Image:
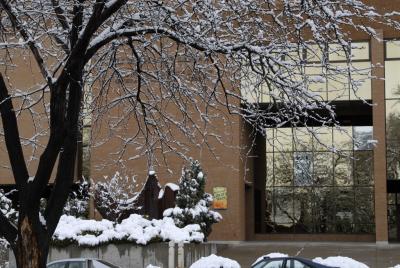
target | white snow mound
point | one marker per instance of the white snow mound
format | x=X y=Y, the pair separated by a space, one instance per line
x=341 y=262
x=134 y=229
x=214 y=261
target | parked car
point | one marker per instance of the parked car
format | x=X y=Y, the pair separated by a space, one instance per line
x=287 y=262
x=80 y=263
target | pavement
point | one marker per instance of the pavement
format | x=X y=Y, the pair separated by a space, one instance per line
x=372 y=254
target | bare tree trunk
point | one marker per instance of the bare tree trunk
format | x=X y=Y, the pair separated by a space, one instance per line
x=32 y=246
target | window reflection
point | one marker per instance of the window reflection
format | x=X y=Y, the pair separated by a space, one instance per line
x=310 y=189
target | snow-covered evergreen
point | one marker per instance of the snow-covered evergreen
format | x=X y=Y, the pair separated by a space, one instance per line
x=192 y=202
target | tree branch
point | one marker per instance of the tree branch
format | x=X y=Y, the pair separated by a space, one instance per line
x=31 y=43
x=11 y=135
x=60 y=15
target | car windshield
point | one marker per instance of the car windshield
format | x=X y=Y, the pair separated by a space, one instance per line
x=102 y=264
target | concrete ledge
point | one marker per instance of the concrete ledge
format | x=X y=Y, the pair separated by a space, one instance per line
x=130 y=256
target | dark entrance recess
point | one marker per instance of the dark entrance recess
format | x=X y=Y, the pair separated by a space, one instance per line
x=393 y=188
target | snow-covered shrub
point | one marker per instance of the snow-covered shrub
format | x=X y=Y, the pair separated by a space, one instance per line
x=6 y=207
x=115 y=198
x=192 y=203
x=78 y=201
x=135 y=229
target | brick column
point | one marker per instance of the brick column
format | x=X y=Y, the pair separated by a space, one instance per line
x=378 y=118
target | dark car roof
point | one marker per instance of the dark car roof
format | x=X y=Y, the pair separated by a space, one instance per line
x=306 y=261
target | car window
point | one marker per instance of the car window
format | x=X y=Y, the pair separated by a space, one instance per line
x=58 y=265
x=76 y=264
x=270 y=264
x=298 y=264
x=100 y=264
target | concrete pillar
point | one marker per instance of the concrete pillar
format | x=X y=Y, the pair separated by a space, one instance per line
x=378 y=118
x=171 y=254
x=181 y=255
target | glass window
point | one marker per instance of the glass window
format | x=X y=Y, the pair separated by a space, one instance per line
x=343 y=170
x=343 y=138
x=316 y=80
x=360 y=51
x=323 y=201
x=363 y=169
x=303 y=168
x=303 y=210
x=361 y=81
x=392 y=79
x=392 y=49
x=283 y=139
x=363 y=138
x=298 y=264
x=270 y=169
x=302 y=139
x=271 y=264
x=364 y=203
x=322 y=139
x=393 y=159
x=344 y=210
x=283 y=169
x=315 y=53
x=392 y=119
x=337 y=52
x=58 y=265
x=338 y=82
x=269 y=132
x=77 y=264
x=323 y=168
x=283 y=206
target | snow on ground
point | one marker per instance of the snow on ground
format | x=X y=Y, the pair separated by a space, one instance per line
x=152 y=266
x=134 y=229
x=397 y=266
x=214 y=261
x=339 y=261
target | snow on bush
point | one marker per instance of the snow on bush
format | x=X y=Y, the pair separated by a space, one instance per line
x=341 y=262
x=115 y=198
x=214 y=261
x=78 y=201
x=134 y=229
x=6 y=207
x=192 y=203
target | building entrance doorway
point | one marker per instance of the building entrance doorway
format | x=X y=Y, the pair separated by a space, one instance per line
x=394 y=211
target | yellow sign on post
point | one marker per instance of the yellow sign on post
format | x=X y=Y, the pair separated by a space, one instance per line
x=220 y=198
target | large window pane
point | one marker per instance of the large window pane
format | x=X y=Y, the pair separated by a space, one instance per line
x=303 y=168
x=322 y=139
x=392 y=79
x=283 y=139
x=360 y=51
x=270 y=169
x=323 y=169
x=323 y=211
x=364 y=204
x=361 y=81
x=283 y=169
x=303 y=210
x=338 y=82
x=269 y=142
x=282 y=208
x=344 y=210
x=363 y=169
x=342 y=138
x=363 y=138
x=302 y=139
x=392 y=119
x=343 y=170
x=316 y=80
x=392 y=49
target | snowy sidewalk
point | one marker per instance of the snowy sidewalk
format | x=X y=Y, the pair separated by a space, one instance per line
x=369 y=253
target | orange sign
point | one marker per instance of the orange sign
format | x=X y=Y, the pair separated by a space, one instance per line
x=220 y=198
